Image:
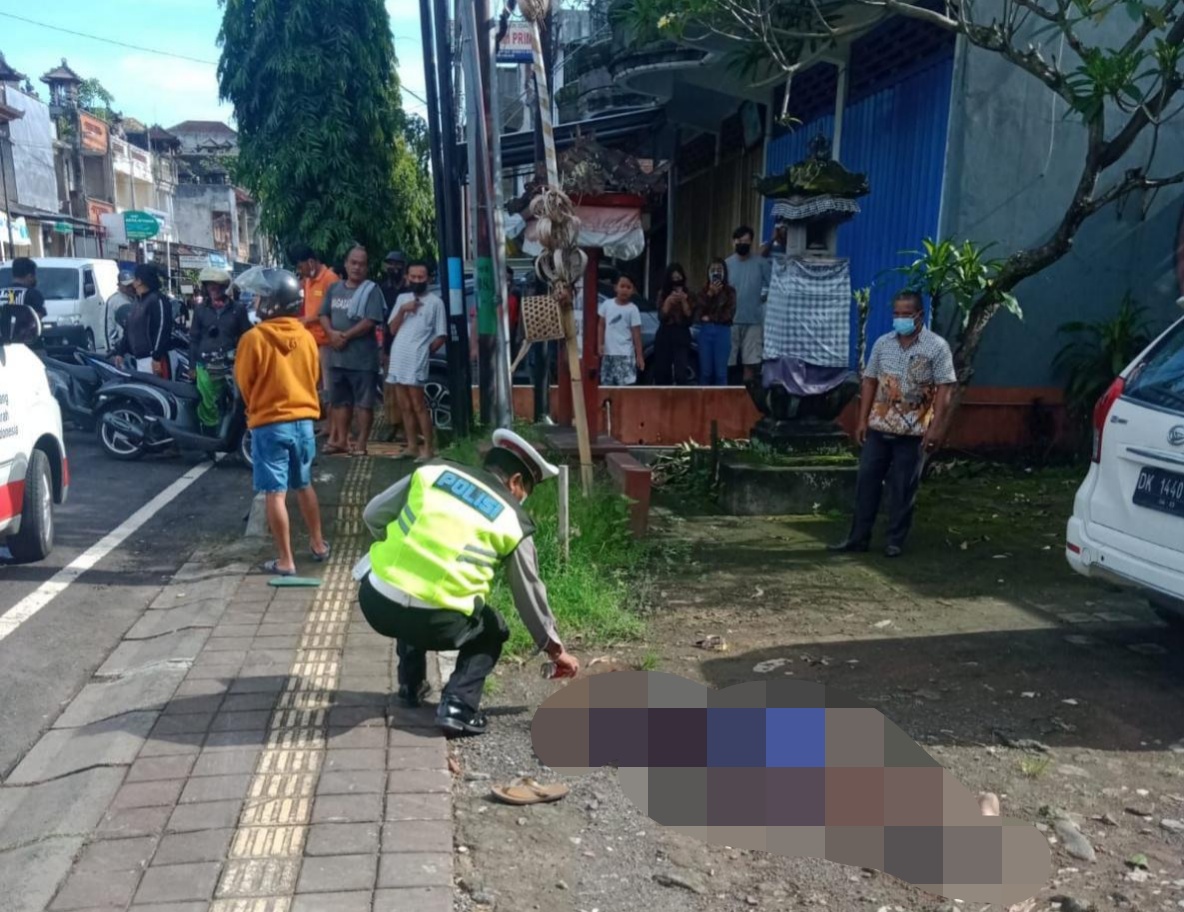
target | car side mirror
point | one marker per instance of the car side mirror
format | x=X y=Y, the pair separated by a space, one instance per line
x=88 y=289
x=19 y=325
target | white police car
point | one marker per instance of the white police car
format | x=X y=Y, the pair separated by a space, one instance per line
x=34 y=472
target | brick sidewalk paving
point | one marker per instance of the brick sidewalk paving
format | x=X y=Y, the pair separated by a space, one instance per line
x=238 y=752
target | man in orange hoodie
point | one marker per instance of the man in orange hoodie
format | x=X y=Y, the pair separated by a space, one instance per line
x=277 y=369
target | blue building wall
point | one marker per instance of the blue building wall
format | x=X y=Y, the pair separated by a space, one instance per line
x=896 y=135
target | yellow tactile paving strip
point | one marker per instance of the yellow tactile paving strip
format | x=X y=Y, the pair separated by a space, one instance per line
x=265 y=853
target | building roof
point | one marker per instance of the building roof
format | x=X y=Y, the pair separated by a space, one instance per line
x=158 y=135
x=131 y=125
x=62 y=73
x=7 y=73
x=203 y=126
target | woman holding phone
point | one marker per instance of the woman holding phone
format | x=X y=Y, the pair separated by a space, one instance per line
x=717 y=306
x=672 y=345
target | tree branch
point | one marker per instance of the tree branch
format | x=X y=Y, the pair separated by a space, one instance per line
x=1146 y=27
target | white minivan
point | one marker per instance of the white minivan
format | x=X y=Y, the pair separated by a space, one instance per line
x=1128 y=518
x=76 y=291
x=34 y=472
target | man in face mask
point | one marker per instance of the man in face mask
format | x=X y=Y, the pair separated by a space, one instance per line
x=749 y=274
x=907 y=386
x=393 y=285
x=419 y=327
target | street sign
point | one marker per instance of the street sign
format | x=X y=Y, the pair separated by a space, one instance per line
x=516 y=46
x=140 y=225
x=193 y=262
x=63 y=228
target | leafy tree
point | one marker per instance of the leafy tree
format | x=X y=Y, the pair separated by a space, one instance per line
x=323 y=144
x=1120 y=75
x=95 y=99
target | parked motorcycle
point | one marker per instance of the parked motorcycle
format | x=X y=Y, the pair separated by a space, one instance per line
x=75 y=378
x=144 y=414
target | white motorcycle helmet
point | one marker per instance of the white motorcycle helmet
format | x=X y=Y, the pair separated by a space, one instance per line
x=214 y=276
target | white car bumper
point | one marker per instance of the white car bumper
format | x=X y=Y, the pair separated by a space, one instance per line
x=1130 y=564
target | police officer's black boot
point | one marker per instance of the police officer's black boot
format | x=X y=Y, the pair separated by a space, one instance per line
x=455 y=718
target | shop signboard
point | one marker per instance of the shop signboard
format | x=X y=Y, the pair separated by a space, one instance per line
x=140 y=226
x=516 y=45
x=94 y=133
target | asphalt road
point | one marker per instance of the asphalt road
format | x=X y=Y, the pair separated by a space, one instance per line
x=45 y=662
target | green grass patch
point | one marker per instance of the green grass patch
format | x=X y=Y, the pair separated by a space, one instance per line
x=597 y=594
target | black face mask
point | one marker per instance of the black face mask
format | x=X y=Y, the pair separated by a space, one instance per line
x=419 y=287
x=743 y=249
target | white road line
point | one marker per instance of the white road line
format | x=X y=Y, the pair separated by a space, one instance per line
x=55 y=585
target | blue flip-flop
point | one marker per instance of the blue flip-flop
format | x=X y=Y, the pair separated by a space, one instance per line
x=324 y=555
x=272 y=567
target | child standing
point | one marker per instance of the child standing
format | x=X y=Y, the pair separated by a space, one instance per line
x=620 y=337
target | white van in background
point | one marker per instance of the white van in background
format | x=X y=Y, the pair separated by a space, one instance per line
x=76 y=292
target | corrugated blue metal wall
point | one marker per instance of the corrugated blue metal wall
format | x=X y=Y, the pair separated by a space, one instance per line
x=897 y=136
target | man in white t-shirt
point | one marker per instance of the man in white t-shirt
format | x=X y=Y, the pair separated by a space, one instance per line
x=621 y=357
x=419 y=325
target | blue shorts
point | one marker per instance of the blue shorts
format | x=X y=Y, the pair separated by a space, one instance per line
x=283 y=455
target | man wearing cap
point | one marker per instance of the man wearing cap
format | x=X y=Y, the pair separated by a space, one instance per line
x=393 y=284
x=119 y=305
x=441 y=533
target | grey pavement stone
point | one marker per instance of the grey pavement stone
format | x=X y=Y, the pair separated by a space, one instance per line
x=365 y=683
x=213 y=672
x=133 y=822
x=354 y=759
x=417 y=781
x=342 y=839
x=152 y=769
x=337 y=872
x=415 y=869
x=227 y=762
x=249 y=702
x=357 y=717
x=199 y=906
x=224 y=644
x=350 y=782
x=174 y=883
x=417 y=836
x=419 y=807
x=259 y=683
x=234 y=740
x=401 y=717
x=271 y=877
x=109 y=855
x=231 y=657
x=179 y=616
x=424 y=758
x=280 y=629
x=368 y=669
x=414 y=899
x=236 y=630
x=202 y=689
x=216 y=788
x=149 y=689
x=183 y=591
x=275 y=643
x=172 y=746
x=416 y=737
x=193 y=704
x=147 y=794
x=133 y=654
x=63 y=807
x=182 y=724
x=29 y=876
x=111 y=742
x=185 y=848
x=111 y=889
x=347 y=808
x=360 y=698
x=357 y=737
x=254 y=720
x=358 y=901
x=212 y=815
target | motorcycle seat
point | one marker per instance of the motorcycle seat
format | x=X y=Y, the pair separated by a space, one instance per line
x=180 y=390
x=78 y=371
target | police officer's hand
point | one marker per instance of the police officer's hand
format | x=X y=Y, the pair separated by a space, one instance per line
x=566 y=665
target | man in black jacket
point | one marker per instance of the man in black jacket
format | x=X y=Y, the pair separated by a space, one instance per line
x=217 y=326
x=149 y=326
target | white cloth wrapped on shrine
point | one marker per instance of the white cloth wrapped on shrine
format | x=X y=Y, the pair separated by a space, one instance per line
x=808 y=311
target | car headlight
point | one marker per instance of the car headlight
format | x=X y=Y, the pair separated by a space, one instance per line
x=72 y=320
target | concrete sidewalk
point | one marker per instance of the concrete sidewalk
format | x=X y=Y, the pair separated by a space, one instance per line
x=238 y=751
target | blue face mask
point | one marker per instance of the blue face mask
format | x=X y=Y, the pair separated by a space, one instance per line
x=904 y=326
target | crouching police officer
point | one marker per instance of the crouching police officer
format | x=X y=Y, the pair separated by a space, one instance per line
x=442 y=532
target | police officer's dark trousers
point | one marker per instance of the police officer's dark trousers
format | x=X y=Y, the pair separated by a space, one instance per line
x=478 y=637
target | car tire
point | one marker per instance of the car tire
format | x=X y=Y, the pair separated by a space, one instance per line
x=1170 y=611
x=35 y=539
x=90 y=341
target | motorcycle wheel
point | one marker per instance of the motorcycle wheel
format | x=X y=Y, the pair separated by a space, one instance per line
x=244 y=449
x=114 y=443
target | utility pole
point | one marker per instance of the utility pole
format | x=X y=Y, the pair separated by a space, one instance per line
x=457 y=356
x=540 y=373
x=505 y=383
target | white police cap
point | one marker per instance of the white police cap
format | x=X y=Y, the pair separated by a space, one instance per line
x=538 y=466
